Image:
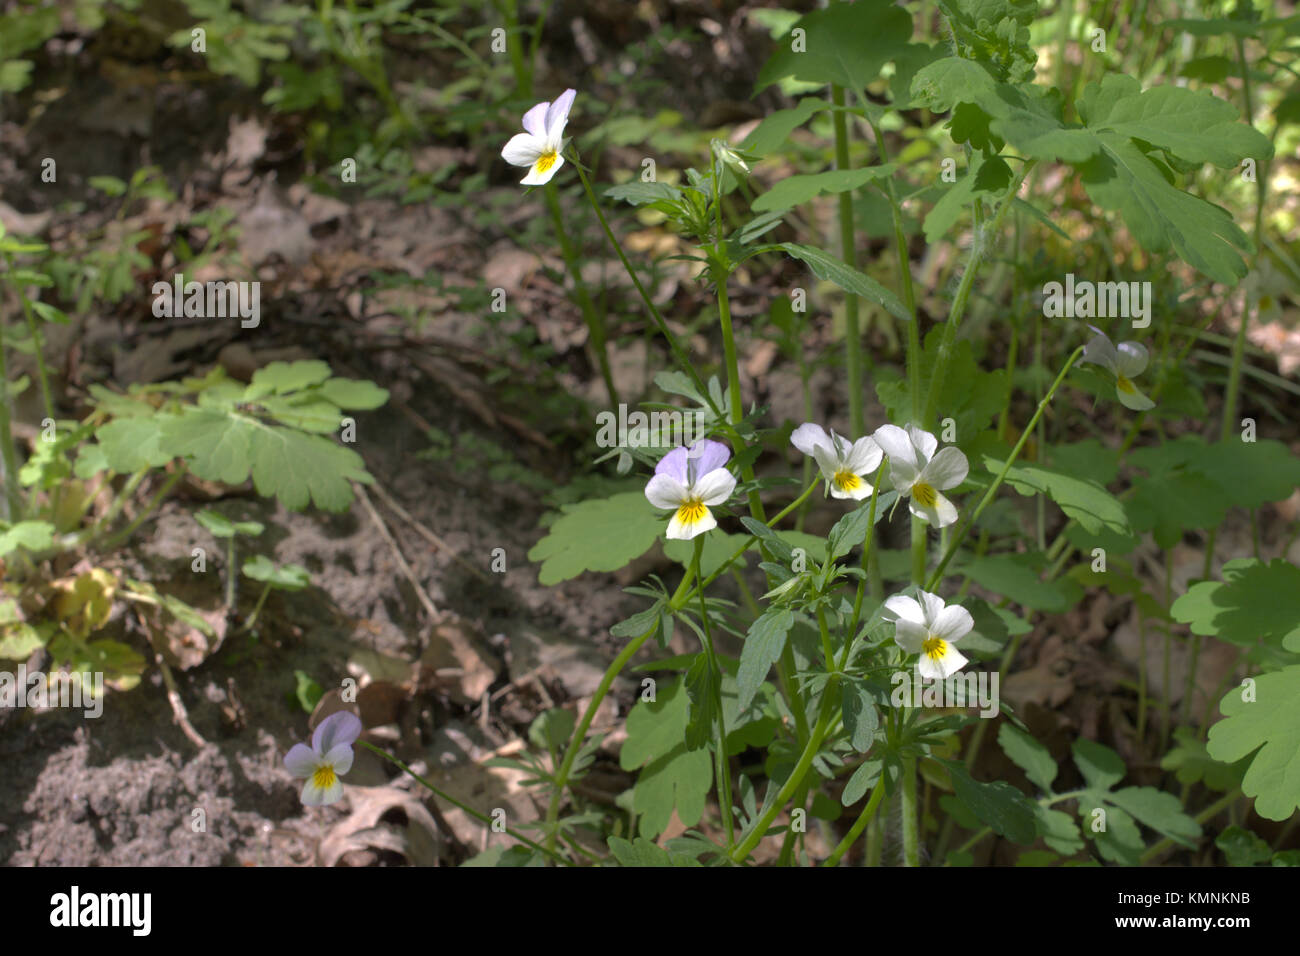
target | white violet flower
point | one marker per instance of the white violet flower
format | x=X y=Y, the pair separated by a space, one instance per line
x=328 y=758
x=689 y=480
x=1125 y=362
x=920 y=474
x=930 y=628
x=538 y=147
x=843 y=464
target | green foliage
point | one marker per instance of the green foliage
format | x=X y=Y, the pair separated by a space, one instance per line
x=846 y=44
x=671 y=776
x=599 y=535
x=1264 y=720
x=1114 y=150
x=1254 y=603
x=273 y=430
x=997 y=804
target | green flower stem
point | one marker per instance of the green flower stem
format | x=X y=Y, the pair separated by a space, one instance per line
x=231 y=573
x=904 y=268
x=733 y=385
x=867 y=552
x=827 y=651
x=918 y=551
x=523 y=78
x=38 y=342
x=876 y=834
x=683 y=361
x=257 y=608
x=482 y=818
x=715 y=682
x=966 y=525
x=594 y=321
x=147 y=510
x=825 y=717
x=679 y=598
x=849 y=252
x=786 y=857
x=679 y=355
x=949 y=340
x=911 y=832
x=7 y=451
x=729 y=351
x=866 y=816
x=792 y=783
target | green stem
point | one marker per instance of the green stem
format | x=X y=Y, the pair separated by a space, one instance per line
x=148 y=509
x=38 y=343
x=679 y=354
x=911 y=835
x=715 y=684
x=866 y=816
x=594 y=321
x=792 y=783
x=7 y=451
x=257 y=608
x=960 y=536
x=848 y=251
x=949 y=339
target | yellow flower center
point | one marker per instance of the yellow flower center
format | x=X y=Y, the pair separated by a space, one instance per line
x=1125 y=385
x=934 y=648
x=925 y=495
x=846 y=480
x=691 y=511
x=324 y=777
x=545 y=161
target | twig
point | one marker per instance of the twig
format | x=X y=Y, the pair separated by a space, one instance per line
x=426 y=533
x=178 y=706
x=424 y=598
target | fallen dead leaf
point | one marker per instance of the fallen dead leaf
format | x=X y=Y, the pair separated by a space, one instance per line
x=382 y=818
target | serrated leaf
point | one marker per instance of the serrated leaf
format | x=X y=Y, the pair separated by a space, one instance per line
x=1194 y=125
x=998 y=805
x=642 y=852
x=1058 y=830
x=1254 y=602
x=1242 y=848
x=131 y=444
x=1083 y=499
x=30 y=535
x=858 y=708
x=1163 y=217
x=354 y=394
x=796 y=190
x=845 y=44
x=295 y=468
x=775 y=129
x=602 y=534
x=1101 y=767
x=639 y=194
x=1029 y=755
x=1018 y=577
x=764 y=644
x=847 y=278
x=1269 y=727
x=671 y=777
x=284 y=377
x=1162 y=812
